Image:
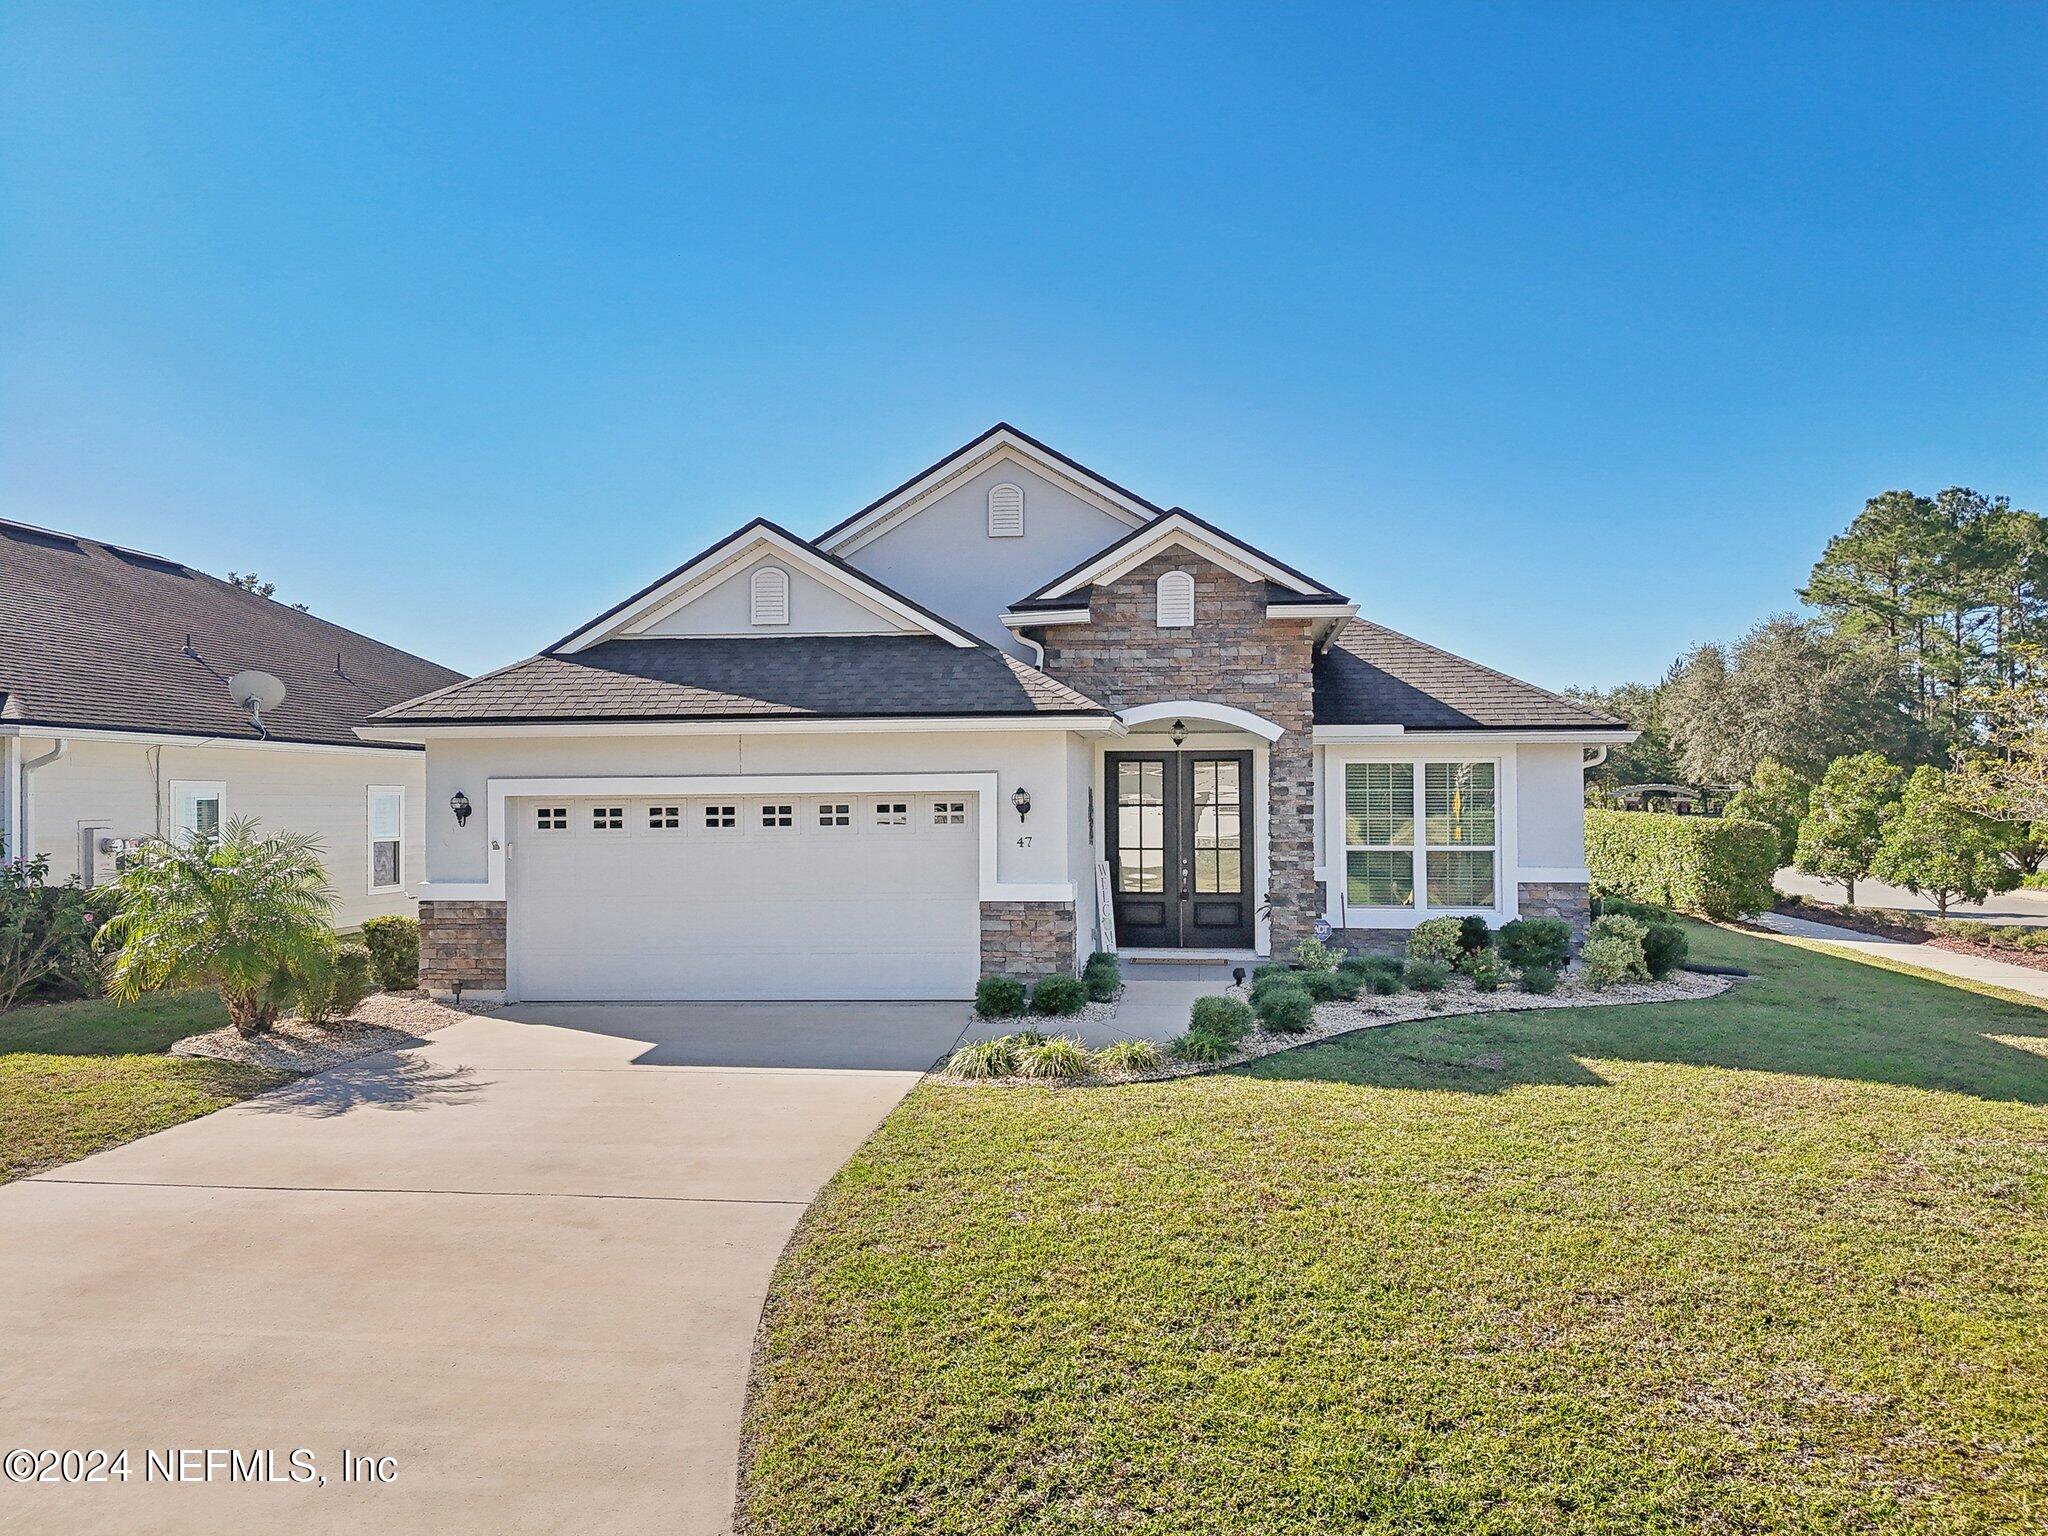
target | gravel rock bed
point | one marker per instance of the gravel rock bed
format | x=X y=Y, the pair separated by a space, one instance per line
x=384 y=1021
x=1093 y=1013
x=1459 y=999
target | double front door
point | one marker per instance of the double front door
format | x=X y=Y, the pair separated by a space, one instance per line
x=1180 y=848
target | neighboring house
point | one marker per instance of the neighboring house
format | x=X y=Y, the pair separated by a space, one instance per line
x=116 y=720
x=885 y=761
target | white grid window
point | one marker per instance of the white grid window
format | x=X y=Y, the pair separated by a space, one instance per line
x=778 y=815
x=721 y=818
x=949 y=813
x=607 y=818
x=664 y=818
x=387 y=838
x=892 y=813
x=551 y=818
x=835 y=813
x=1451 y=836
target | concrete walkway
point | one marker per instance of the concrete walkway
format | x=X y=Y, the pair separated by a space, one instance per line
x=2000 y=973
x=524 y=1259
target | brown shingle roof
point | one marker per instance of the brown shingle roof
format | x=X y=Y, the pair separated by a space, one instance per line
x=94 y=636
x=1374 y=676
x=785 y=676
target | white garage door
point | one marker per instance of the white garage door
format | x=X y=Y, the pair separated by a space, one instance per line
x=798 y=897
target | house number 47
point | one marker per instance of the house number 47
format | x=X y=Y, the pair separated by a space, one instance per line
x=1024 y=842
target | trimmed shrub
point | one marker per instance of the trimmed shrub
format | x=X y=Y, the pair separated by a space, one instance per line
x=1384 y=983
x=1059 y=997
x=1379 y=974
x=998 y=997
x=1286 y=1011
x=1618 y=925
x=1101 y=976
x=1296 y=980
x=1664 y=949
x=1643 y=912
x=1192 y=1047
x=1473 y=934
x=1315 y=955
x=1126 y=1057
x=1718 y=866
x=45 y=936
x=1270 y=968
x=1542 y=941
x=1329 y=986
x=353 y=978
x=1612 y=958
x=1426 y=975
x=394 y=946
x=1484 y=968
x=1061 y=1056
x=1440 y=939
x=984 y=1059
x=1220 y=1018
x=1540 y=979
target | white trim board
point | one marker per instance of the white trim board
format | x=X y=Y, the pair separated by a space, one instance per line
x=983 y=785
x=174 y=739
x=1341 y=734
x=679 y=588
x=1202 y=709
x=997 y=448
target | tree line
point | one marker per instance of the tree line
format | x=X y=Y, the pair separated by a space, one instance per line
x=1909 y=701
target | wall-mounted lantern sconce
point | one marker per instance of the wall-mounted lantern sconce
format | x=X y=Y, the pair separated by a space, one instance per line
x=1022 y=800
x=1179 y=732
x=459 y=804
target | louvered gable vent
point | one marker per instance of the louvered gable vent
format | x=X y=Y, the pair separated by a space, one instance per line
x=1176 y=600
x=771 y=595
x=1006 y=511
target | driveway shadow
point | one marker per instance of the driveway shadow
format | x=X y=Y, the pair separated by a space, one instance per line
x=389 y=1080
x=1802 y=1013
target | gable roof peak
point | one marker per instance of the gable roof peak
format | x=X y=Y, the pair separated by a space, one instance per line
x=1120 y=554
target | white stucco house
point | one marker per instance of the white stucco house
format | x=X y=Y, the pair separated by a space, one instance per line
x=1007 y=713
x=117 y=722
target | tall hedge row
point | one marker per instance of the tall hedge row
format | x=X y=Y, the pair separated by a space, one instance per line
x=1718 y=866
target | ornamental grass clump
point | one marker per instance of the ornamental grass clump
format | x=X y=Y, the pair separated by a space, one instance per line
x=1201 y=1048
x=1127 y=1058
x=1061 y=1056
x=984 y=1059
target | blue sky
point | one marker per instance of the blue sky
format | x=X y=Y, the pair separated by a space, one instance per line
x=1562 y=336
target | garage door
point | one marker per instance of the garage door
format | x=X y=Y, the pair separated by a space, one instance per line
x=797 y=897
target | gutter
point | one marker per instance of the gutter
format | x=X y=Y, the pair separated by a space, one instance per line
x=24 y=842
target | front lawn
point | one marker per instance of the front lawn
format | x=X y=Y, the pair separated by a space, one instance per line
x=1776 y=1261
x=79 y=1077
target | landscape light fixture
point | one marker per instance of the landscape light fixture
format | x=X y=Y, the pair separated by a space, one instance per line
x=459 y=804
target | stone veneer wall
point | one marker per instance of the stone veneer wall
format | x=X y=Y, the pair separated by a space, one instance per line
x=1233 y=655
x=462 y=943
x=1549 y=898
x=1027 y=938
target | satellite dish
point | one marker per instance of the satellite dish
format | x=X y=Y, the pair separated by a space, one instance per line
x=256 y=692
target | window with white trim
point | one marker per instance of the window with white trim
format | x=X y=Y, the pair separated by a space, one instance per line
x=892 y=813
x=196 y=810
x=777 y=816
x=771 y=595
x=949 y=813
x=1006 y=511
x=607 y=818
x=1176 y=600
x=721 y=818
x=664 y=818
x=1451 y=835
x=835 y=813
x=1379 y=834
x=551 y=818
x=387 y=837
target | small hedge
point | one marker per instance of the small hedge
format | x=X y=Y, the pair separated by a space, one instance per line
x=999 y=997
x=394 y=946
x=1664 y=949
x=1101 y=976
x=1286 y=1011
x=1059 y=997
x=1441 y=939
x=1542 y=941
x=1718 y=866
x=1222 y=1019
x=1426 y=975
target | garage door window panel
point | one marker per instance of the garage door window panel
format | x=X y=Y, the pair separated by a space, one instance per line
x=833 y=816
x=721 y=818
x=664 y=819
x=551 y=818
x=606 y=819
x=778 y=816
x=891 y=815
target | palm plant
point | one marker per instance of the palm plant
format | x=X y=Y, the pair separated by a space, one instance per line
x=236 y=912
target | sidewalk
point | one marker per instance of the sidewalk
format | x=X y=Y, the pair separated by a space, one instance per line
x=1924 y=957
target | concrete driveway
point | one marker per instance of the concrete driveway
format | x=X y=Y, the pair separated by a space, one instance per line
x=523 y=1259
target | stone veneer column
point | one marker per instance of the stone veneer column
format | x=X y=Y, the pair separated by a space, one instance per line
x=1027 y=938
x=1552 y=898
x=1232 y=655
x=462 y=943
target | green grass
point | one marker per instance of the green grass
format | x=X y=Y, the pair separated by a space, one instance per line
x=1773 y=1262
x=79 y=1077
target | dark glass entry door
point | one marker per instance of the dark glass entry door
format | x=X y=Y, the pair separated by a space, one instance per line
x=1180 y=841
